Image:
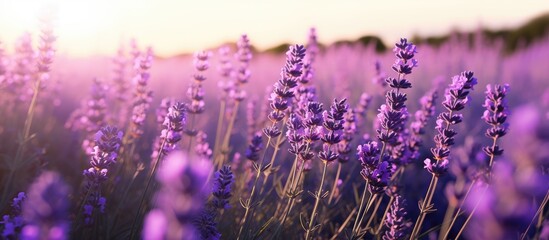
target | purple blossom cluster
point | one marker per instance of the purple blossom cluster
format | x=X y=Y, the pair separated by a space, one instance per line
x=174 y=122
x=282 y=95
x=456 y=97
x=495 y=115
x=375 y=169
x=196 y=90
x=224 y=179
x=396 y=223
x=13 y=223
x=142 y=96
x=333 y=125
x=105 y=152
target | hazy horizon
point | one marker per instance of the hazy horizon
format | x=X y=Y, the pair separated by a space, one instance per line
x=87 y=28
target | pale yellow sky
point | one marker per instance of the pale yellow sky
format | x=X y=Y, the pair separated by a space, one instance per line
x=99 y=26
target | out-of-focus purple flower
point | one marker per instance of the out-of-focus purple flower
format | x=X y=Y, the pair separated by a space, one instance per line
x=13 y=223
x=202 y=147
x=180 y=199
x=45 y=212
x=222 y=187
x=495 y=115
x=506 y=207
x=380 y=76
x=396 y=223
x=256 y=145
x=295 y=134
x=242 y=72
x=349 y=130
x=46 y=50
x=417 y=127
x=196 y=91
x=456 y=96
x=142 y=96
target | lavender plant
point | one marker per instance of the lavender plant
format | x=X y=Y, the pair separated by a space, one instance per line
x=456 y=97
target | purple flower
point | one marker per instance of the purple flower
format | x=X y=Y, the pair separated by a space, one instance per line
x=13 y=223
x=256 y=145
x=206 y=225
x=281 y=97
x=396 y=223
x=222 y=189
x=196 y=91
x=180 y=199
x=378 y=178
x=421 y=117
x=495 y=115
x=173 y=125
x=142 y=96
x=202 y=147
x=333 y=123
x=104 y=154
x=405 y=52
x=45 y=211
x=368 y=155
x=349 y=130
x=456 y=96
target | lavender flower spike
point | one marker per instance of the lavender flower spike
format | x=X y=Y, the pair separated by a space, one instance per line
x=495 y=115
x=456 y=96
x=222 y=190
x=46 y=210
x=396 y=221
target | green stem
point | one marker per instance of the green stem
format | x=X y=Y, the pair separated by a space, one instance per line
x=250 y=202
x=317 y=201
x=424 y=206
x=373 y=213
x=218 y=131
x=225 y=146
x=458 y=213
x=149 y=180
x=385 y=214
x=334 y=187
x=538 y=212
x=361 y=206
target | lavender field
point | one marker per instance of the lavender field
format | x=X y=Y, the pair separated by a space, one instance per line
x=340 y=141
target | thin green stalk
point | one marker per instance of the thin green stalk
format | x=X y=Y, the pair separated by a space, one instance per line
x=449 y=227
x=340 y=229
x=191 y=130
x=373 y=212
x=225 y=146
x=370 y=202
x=472 y=212
x=22 y=143
x=317 y=201
x=149 y=180
x=273 y=157
x=538 y=212
x=360 y=207
x=424 y=207
x=334 y=187
x=385 y=214
x=291 y=200
x=250 y=202
x=289 y=183
x=218 y=131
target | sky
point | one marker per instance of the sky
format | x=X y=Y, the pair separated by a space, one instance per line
x=99 y=27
